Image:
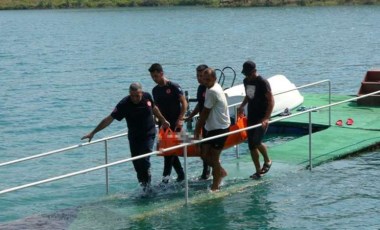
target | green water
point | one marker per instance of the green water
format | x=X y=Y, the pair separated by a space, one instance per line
x=62 y=71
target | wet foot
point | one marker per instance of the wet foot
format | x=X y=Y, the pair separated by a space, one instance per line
x=216 y=190
x=216 y=184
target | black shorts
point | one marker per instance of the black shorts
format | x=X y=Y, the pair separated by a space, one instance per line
x=217 y=143
x=255 y=136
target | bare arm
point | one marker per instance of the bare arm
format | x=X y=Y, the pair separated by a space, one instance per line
x=103 y=124
x=193 y=113
x=183 y=102
x=242 y=105
x=201 y=122
x=268 y=113
x=157 y=113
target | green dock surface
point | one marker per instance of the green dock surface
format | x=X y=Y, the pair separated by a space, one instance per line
x=330 y=142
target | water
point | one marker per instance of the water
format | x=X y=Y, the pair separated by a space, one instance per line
x=62 y=71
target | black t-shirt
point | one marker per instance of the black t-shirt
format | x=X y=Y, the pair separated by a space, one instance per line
x=256 y=91
x=139 y=116
x=167 y=100
x=201 y=93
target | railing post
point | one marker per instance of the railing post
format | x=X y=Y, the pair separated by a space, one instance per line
x=329 y=102
x=106 y=162
x=237 y=153
x=310 y=132
x=186 y=173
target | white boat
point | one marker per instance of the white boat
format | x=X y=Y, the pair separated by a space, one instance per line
x=283 y=97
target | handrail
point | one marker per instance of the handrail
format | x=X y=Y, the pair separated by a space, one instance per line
x=183 y=145
x=234 y=78
x=220 y=76
x=76 y=173
x=118 y=162
x=62 y=150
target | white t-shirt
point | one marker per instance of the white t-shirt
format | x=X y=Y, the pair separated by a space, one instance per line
x=219 y=117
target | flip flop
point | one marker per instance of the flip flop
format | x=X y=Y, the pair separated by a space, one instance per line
x=265 y=168
x=349 y=121
x=339 y=123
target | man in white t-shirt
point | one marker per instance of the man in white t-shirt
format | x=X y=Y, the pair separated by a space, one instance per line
x=216 y=120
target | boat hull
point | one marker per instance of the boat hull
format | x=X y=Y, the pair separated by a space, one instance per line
x=283 y=97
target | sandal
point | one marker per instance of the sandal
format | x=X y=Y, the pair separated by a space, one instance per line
x=255 y=176
x=266 y=167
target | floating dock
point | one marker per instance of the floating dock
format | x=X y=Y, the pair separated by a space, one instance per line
x=327 y=142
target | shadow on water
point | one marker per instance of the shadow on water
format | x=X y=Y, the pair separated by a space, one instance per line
x=58 y=220
x=163 y=206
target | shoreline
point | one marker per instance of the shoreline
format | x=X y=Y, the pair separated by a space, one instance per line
x=82 y=4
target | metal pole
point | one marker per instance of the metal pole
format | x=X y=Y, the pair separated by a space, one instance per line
x=310 y=132
x=186 y=177
x=106 y=162
x=329 y=103
x=236 y=117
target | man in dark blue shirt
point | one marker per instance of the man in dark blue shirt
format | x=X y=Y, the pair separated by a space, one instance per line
x=138 y=109
x=169 y=98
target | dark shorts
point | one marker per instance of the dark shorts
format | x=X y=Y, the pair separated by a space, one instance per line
x=217 y=143
x=255 y=136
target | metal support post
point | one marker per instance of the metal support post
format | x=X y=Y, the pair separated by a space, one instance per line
x=310 y=133
x=106 y=162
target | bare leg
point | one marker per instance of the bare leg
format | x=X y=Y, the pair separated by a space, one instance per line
x=263 y=150
x=211 y=156
x=218 y=171
x=205 y=153
x=256 y=160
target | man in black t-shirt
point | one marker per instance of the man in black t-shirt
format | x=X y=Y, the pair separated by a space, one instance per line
x=138 y=109
x=201 y=93
x=260 y=106
x=169 y=98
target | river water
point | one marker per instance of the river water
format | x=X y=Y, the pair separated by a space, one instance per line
x=62 y=71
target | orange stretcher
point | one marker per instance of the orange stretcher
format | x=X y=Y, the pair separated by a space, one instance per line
x=168 y=138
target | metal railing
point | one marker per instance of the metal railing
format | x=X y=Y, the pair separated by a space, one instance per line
x=106 y=165
x=105 y=140
x=125 y=134
x=184 y=146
